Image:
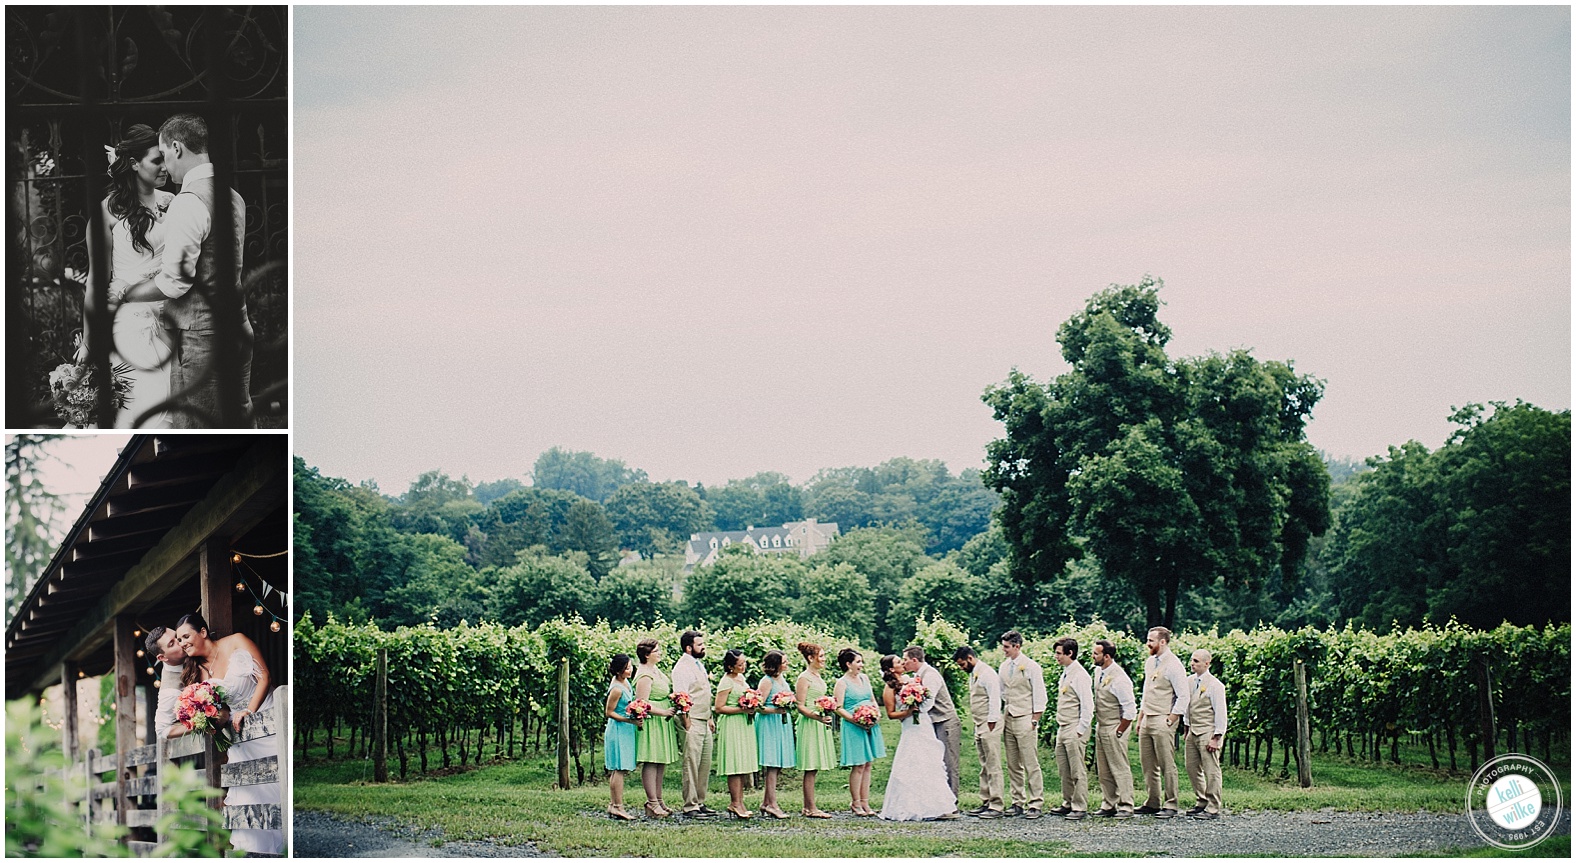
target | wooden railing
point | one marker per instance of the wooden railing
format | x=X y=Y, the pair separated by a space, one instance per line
x=144 y=768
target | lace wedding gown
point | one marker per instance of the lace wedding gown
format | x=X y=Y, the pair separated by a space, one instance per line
x=140 y=338
x=917 y=788
x=240 y=683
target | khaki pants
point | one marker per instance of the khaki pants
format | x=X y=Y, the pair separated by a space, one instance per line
x=1026 y=781
x=697 y=763
x=1070 y=767
x=988 y=744
x=1203 y=770
x=1157 y=755
x=1116 y=772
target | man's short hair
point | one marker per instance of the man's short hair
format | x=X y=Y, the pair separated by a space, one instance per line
x=1209 y=658
x=1165 y=634
x=687 y=639
x=1013 y=637
x=190 y=129
x=962 y=653
x=1106 y=648
x=914 y=651
x=152 y=641
x=1068 y=646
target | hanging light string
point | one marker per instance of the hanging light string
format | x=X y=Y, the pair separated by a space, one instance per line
x=243 y=585
x=259 y=556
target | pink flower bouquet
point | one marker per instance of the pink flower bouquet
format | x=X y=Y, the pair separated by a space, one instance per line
x=866 y=715
x=826 y=705
x=785 y=701
x=199 y=706
x=640 y=708
x=682 y=701
x=912 y=695
x=751 y=701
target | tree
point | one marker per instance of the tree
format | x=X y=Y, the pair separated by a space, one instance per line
x=436 y=503
x=939 y=590
x=540 y=587
x=30 y=513
x=637 y=594
x=523 y=518
x=587 y=529
x=657 y=517
x=1169 y=473
x=582 y=473
x=766 y=499
x=886 y=557
x=487 y=492
x=430 y=580
x=837 y=599
x=741 y=586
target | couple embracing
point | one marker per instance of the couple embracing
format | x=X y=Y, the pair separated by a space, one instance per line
x=923 y=784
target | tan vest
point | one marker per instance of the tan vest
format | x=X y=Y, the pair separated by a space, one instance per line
x=1107 y=710
x=700 y=691
x=1159 y=694
x=1067 y=700
x=1017 y=694
x=1200 y=711
x=979 y=700
x=943 y=709
x=193 y=310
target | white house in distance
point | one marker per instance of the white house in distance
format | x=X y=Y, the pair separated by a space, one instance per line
x=804 y=537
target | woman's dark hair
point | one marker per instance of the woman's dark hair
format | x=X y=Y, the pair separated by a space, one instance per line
x=772 y=662
x=619 y=663
x=125 y=201
x=195 y=666
x=644 y=647
x=809 y=650
x=889 y=672
x=195 y=619
x=845 y=657
x=730 y=660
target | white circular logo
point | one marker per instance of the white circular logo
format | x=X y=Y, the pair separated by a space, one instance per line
x=1514 y=802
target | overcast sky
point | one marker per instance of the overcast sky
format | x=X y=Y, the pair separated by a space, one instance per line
x=74 y=467
x=713 y=241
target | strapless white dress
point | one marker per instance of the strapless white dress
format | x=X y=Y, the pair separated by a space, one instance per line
x=239 y=685
x=917 y=788
x=140 y=338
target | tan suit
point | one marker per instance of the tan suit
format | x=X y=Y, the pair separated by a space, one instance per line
x=987 y=741
x=1116 y=772
x=697 y=740
x=1020 y=743
x=1165 y=690
x=1203 y=766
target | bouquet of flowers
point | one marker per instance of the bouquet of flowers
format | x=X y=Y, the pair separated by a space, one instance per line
x=638 y=709
x=198 y=708
x=785 y=701
x=74 y=395
x=826 y=705
x=682 y=701
x=912 y=695
x=750 y=700
x=866 y=715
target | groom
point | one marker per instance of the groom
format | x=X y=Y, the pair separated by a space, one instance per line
x=943 y=716
x=192 y=285
x=161 y=644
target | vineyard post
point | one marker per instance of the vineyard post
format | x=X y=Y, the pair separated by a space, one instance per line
x=1486 y=710
x=563 y=723
x=380 y=719
x=1304 y=737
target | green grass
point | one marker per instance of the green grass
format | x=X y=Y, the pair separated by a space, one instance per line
x=513 y=802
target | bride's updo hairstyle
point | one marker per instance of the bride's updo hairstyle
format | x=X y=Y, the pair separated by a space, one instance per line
x=644 y=647
x=124 y=200
x=730 y=660
x=889 y=672
x=194 y=620
x=195 y=667
x=772 y=663
x=846 y=657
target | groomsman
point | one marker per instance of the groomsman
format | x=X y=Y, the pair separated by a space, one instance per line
x=1074 y=714
x=689 y=675
x=1023 y=694
x=1114 y=712
x=1165 y=702
x=1206 y=728
x=985 y=709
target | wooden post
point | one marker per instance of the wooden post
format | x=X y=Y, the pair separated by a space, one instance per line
x=380 y=719
x=1304 y=736
x=125 y=708
x=68 y=702
x=150 y=705
x=563 y=723
x=1486 y=710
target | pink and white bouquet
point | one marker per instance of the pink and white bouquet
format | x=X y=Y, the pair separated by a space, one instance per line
x=638 y=709
x=866 y=715
x=826 y=705
x=751 y=701
x=912 y=695
x=785 y=701
x=199 y=707
x=683 y=701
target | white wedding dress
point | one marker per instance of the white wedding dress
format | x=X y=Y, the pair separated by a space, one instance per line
x=917 y=788
x=240 y=683
x=140 y=337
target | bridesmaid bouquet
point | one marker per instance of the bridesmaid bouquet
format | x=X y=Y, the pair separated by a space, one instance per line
x=198 y=708
x=785 y=701
x=682 y=701
x=638 y=709
x=912 y=695
x=750 y=700
x=866 y=715
x=826 y=705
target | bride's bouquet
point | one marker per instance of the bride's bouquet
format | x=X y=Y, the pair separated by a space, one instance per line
x=785 y=701
x=912 y=695
x=199 y=706
x=72 y=390
x=682 y=701
x=866 y=715
x=751 y=701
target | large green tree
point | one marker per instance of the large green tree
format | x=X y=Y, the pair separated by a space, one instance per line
x=657 y=517
x=539 y=587
x=30 y=513
x=635 y=594
x=886 y=557
x=764 y=500
x=742 y=586
x=837 y=599
x=1171 y=473
x=582 y=473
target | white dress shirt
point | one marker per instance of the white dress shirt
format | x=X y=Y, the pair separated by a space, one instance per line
x=1076 y=677
x=1121 y=686
x=186 y=225
x=169 y=694
x=686 y=672
x=1036 y=679
x=989 y=679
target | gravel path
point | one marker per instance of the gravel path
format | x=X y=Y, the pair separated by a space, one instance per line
x=1256 y=834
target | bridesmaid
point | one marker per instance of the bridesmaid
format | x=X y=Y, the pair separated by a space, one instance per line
x=773 y=733
x=736 y=756
x=861 y=746
x=817 y=746
x=655 y=746
x=618 y=739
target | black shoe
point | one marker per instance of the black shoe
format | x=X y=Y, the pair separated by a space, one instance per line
x=1104 y=813
x=975 y=813
x=1146 y=810
x=950 y=816
x=1077 y=815
x=1013 y=811
x=1123 y=815
x=1207 y=816
x=1032 y=814
x=1166 y=813
x=705 y=812
x=1061 y=810
x=1195 y=810
x=989 y=814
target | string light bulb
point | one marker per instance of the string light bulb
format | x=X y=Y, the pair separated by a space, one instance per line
x=141 y=654
x=149 y=669
x=81 y=674
x=240 y=587
x=257 y=610
x=235 y=558
x=274 y=626
x=136 y=633
x=158 y=684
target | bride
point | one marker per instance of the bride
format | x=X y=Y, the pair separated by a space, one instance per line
x=235 y=663
x=917 y=788
x=134 y=234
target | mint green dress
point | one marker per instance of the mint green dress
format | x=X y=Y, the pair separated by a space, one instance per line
x=774 y=731
x=656 y=742
x=816 y=746
x=735 y=745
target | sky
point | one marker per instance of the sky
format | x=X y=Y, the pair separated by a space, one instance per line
x=712 y=241
x=73 y=468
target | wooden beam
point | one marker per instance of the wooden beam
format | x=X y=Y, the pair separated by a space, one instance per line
x=259 y=483
x=217 y=581
x=68 y=700
x=125 y=708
